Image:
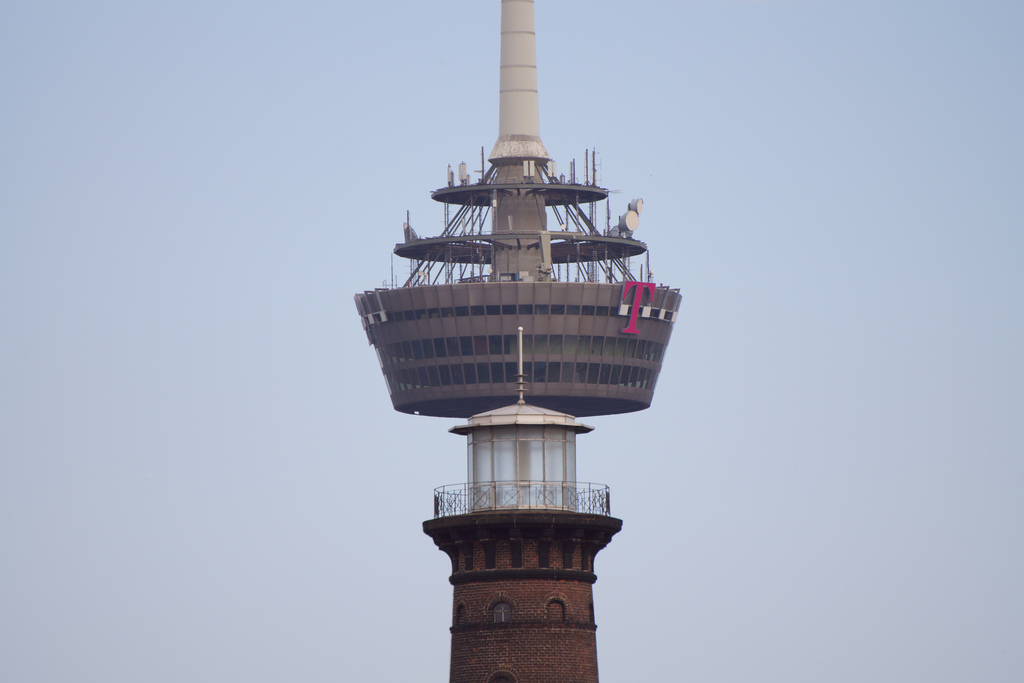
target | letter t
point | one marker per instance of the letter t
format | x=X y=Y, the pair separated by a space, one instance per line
x=638 y=300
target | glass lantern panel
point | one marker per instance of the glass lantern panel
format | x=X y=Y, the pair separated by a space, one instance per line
x=503 y=433
x=481 y=465
x=531 y=460
x=554 y=461
x=531 y=432
x=570 y=461
x=504 y=461
x=554 y=433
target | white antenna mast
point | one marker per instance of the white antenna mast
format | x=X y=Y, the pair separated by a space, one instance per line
x=521 y=378
x=518 y=110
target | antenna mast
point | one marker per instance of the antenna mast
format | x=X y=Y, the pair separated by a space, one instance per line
x=521 y=378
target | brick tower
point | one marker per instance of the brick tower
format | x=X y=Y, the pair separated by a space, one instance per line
x=522 y=536
x=522 y=533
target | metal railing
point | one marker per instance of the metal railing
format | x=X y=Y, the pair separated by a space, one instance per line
x=461 y=499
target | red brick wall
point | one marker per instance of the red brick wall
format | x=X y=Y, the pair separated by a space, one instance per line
x=550 y=636
x=537 y=645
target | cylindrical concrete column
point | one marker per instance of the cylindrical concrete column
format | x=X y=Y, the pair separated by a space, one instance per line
x=518 y=110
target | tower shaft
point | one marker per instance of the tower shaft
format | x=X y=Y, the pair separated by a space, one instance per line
x=518 y=110
x=522 y=532
x=523 y=606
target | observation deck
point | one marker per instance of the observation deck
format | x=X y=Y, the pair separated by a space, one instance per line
x=449 y=350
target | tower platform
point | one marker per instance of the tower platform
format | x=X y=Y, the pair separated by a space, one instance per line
x=449 y=350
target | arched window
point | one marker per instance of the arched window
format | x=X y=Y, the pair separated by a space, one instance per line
x=460 y=613
x=556 y=610
x=502 y=613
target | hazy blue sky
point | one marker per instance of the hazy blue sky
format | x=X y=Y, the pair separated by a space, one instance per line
x=202 y=479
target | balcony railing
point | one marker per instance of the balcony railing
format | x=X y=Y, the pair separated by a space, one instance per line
x=461 y=499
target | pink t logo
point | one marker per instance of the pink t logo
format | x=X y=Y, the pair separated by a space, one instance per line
x=638 y=300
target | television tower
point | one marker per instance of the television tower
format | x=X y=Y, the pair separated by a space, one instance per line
x=503 y=304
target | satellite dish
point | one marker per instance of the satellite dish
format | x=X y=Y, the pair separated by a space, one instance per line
x=629 y=221
x=637 y=205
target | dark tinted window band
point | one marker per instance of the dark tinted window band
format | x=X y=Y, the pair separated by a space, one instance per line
x=537 y=373
x=535 y=345
x=512 y=309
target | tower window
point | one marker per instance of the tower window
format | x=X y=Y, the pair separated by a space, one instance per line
x=502 y=613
